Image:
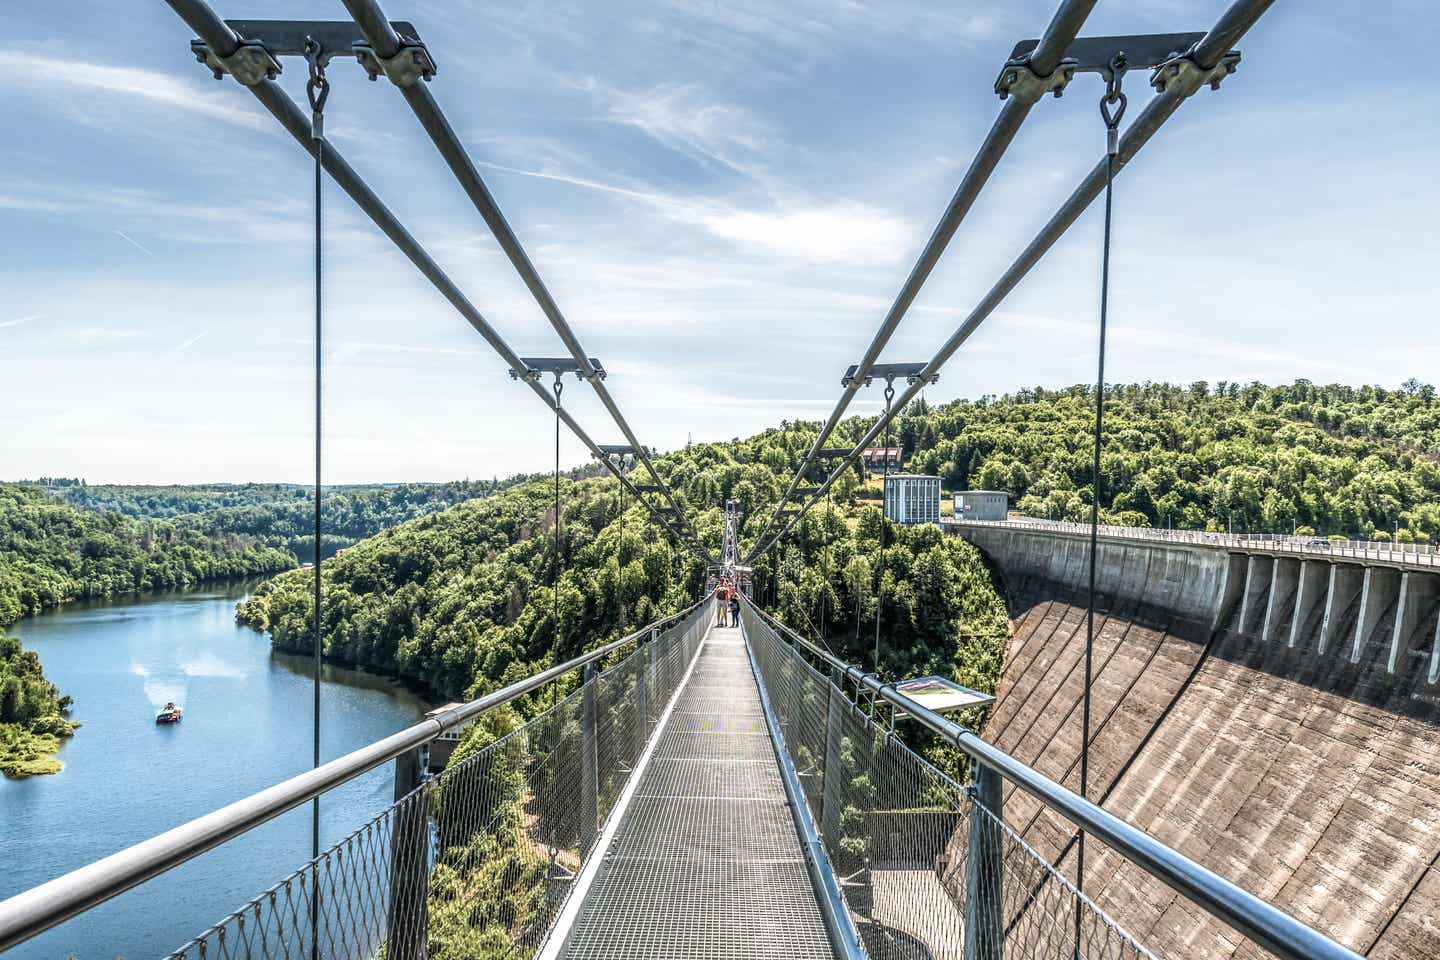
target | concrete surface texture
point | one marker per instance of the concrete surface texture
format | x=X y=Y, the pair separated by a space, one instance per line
x=1276 y=719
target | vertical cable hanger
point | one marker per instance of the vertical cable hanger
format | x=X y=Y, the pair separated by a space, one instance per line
x=620 y=551
x=1112 y=108
x=884 y=483
x=559 y=388
x=317 y=90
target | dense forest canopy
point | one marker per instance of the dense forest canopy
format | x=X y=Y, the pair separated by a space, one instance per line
x=51 y=553
x=1362 y=462
x=32 y=713
x=462 y=599
x=276 y=514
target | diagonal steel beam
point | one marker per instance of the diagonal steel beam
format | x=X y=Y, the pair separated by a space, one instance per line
x=386 y=43
x=1043 y=61
x=224 y=42
x=1205 y=56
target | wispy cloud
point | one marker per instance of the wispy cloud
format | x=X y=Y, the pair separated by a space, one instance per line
x=62 y=79
x=821 y=233
x=191 y=342
x=19 y=320
x=133 y=242
x=684 y=118
x=241 y=219
x=843 y=233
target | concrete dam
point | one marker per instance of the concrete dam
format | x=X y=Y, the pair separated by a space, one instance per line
x=1275 y=717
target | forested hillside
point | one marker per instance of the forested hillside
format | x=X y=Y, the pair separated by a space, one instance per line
x=1354 y=461
x=277 y=514
x=32 y=713
x=461 y=599
x=51 y=553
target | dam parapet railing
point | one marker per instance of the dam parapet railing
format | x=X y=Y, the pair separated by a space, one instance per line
x=1422 y=555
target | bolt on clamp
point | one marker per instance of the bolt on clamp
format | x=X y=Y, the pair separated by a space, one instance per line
x=411 y=62
x=1019 y=80
x=251 y=62
x=1184 y=77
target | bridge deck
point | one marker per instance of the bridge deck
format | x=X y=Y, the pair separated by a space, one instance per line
x=705 y=861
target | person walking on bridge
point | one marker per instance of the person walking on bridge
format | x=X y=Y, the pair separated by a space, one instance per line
x=734 y=608
x=722 y=594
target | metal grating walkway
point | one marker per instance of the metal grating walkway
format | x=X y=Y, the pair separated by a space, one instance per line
x=705 y=862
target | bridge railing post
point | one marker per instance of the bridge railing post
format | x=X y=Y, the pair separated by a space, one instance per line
x=985 y=868
x=832 y=773
x=642 y=692
x=410 y=859
x=589 y=762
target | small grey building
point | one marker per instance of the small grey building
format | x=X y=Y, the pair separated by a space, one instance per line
x=911 y=498
x=982 y=505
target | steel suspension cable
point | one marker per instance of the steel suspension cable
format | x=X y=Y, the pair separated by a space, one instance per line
x=884 y=494
x=559 y=388
x=317 y=91
x=1112 y=108
x=1205 y=56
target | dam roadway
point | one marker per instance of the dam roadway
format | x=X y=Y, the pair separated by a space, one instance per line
x=1274 y=714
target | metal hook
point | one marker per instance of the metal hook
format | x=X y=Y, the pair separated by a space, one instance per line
x=317 y=88
x=1114 y=95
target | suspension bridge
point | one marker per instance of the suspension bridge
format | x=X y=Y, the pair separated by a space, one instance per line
x=710 y=791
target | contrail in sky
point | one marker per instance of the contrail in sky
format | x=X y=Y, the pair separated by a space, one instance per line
x=19 y=320
x=191 y=342
x=133 y=242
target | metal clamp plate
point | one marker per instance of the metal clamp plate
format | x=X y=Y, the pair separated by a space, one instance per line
x=1087 y=55
x=264 y=42
x=534 y=366
x=1184 y=77
x=412 y=62
x=249 y=64
x=887 y=371
x=1018 y=80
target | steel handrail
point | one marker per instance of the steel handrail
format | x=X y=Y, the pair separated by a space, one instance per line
x=839 y=924
x=1267 y=925
x=36 y=910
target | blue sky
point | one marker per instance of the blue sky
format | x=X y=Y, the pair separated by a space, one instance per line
x=724 y=198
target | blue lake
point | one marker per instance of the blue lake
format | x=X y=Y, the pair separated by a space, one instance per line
x=247 y=725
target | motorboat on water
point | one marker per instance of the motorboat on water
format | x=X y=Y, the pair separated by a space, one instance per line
x=171 y=714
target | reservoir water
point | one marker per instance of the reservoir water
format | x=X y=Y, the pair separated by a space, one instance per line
x=246 y=726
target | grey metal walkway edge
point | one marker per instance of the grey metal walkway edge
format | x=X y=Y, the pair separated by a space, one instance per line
x=705 y=862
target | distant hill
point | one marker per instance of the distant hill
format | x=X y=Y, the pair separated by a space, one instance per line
x=52 y=553
x=276 y=514
x=1354 y=461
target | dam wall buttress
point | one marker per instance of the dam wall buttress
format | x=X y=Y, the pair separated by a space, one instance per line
x=1276 y=718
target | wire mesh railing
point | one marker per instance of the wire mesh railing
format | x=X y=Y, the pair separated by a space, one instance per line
x=479 y=860
x=926 y=872
x=930 y=869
